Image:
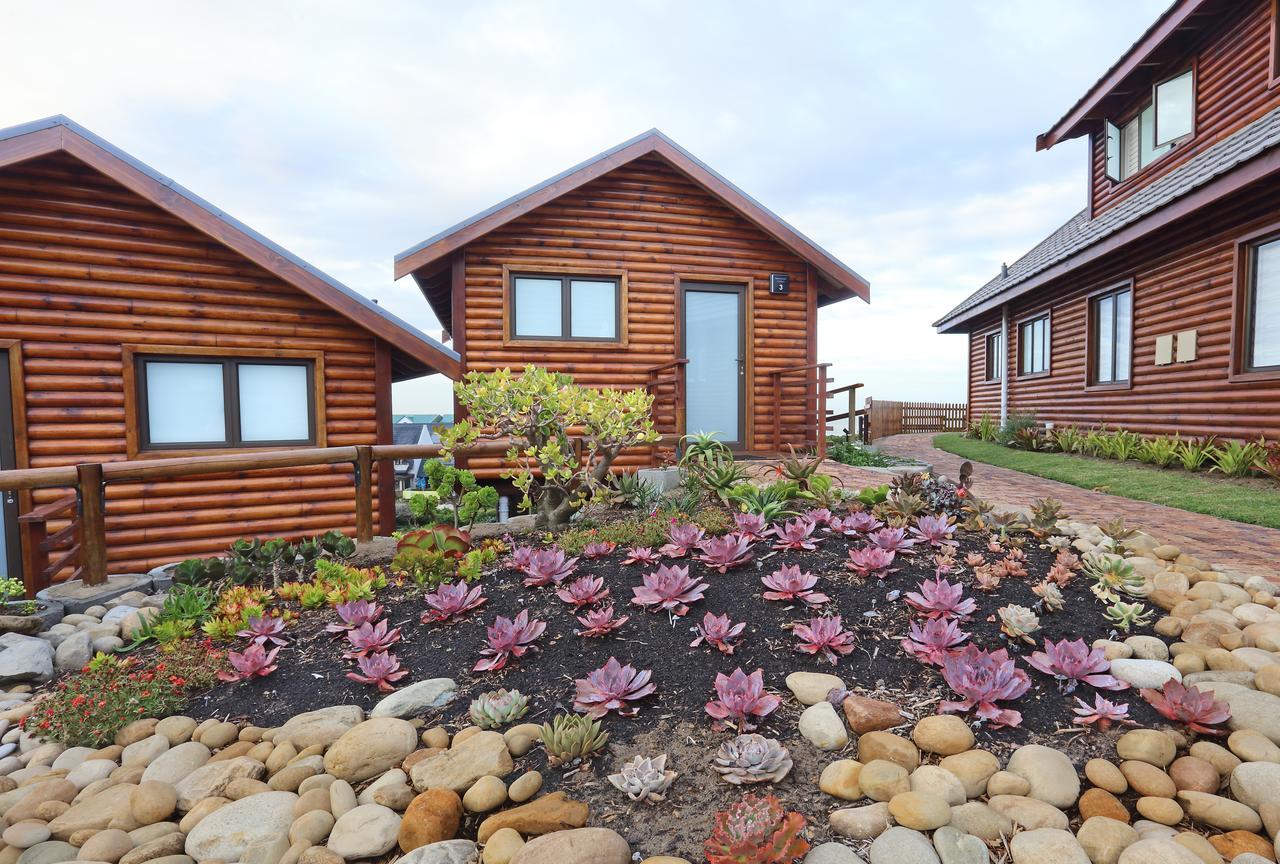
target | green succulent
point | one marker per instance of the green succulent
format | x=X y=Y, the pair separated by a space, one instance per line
x=498 y=708
x=1111 y=576
x=572 y=736
x=1126 y=616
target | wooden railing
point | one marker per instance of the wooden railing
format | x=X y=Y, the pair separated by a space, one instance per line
x=802 y=421
x=887 y=417
x=666 y=384
x=39 y=561
x=851 y=411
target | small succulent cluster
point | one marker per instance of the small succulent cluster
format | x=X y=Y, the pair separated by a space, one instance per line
x=982 y=679
x=1073 y=663
x=718 y=632
x=669 y=588
x=370 y=642
x=789 y=584
x=825 y=636
x=612 y=687
x=1018 y=623
x=508 y=638
x=725 y=553
x=752 y=758
x=741 y=699
x=795 y=535
x=570 y=738
x=756 y=831
x=498 y=708
x=451 y=601
x=644 y=779
x=938 y=598
x=1190 y=706
x=682 y=538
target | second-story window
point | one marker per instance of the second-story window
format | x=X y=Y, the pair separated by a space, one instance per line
x=1163 y=122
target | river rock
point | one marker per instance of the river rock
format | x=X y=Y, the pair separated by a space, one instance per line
x=976 y=818
x=1104 y=839
x=1030 y=813
x=177 y=762
x=370 y=748
x=144 y=752
x=943 y=734
x=957 y=847
x=870 y=715
x=861 y=823
x=151 y=802
x=225 y=833
x=366 y=831
x=974 y=768
x=1221 y=813
x=827 y=853
x=881 y=780
x=48 y=852
x=1196 y=774
x=1042 y=845
x=1250 y=709
x=418 y=698
x=1051 y=774
x=900 y=845
x=211 y=780
x=1253 y=746
x=1255 y=783
x=554 y=812
x=74 y=652
x=463 y=764
x=95 y=811
x=1144 y=673
x=433 y=816
x=938 y=781
x=447 y=852
x=24 y=658
x=576 y=846
x=1158 y=850
x=922 y=811
x=810 y=688
x=109 y=845
x=822 y=727
x=323 y=726
x=1105 y=775
x=1147 y=745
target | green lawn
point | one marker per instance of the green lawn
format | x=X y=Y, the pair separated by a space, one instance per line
x=1254 y=501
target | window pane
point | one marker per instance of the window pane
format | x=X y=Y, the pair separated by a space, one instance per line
x=538 y=307
x=594 y=309
x=1124 y=334
x=1266 y=306
x=273 y=402
x=185 y=403
x=712 y=376
x=1104 y=356
x=1113 y=150
x=1024 y=347
x=1150 y=152
x=1042 y=343
x=1131 y=147
x=1175 y=102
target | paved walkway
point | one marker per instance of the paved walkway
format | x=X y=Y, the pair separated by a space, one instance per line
x=1226 y=544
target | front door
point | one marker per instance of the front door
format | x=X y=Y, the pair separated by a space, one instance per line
x=10 y=549
x=716 y=372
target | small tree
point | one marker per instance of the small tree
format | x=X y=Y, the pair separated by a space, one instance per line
x=458 y=487
x=539 y=411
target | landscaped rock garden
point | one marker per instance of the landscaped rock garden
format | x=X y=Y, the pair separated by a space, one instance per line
x=735 y=672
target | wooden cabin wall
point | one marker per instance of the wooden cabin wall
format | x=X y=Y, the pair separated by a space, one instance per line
x=1182 y=279
x=650 y=220
x=87 y=266
x=984 y=395
x=1233 y=88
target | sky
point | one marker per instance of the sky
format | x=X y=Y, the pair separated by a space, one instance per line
x=897 y=135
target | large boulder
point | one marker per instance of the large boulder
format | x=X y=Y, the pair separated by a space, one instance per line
x=24 y=658
x=370 y=748
x=481 y=755
x=322 y=726
x=418 y=698
x=226 y=832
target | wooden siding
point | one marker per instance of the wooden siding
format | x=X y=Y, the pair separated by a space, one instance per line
x=87 y=267
x=984 y=395
x=1182 y=279
x=651 y=222
x=1233 y=88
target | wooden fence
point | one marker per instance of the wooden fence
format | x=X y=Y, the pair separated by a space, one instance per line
x=887 y=417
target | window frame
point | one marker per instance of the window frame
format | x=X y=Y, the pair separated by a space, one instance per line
x=1119 y=178
x=565 y=277
x=1021 y=325
x=1243 y=308
x=1091 y=336
x=1172 y=143
x=137 y=419
x=992 y=372
x=1273 y=73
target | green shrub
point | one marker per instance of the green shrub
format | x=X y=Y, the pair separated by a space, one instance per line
x=848 y=451
x=468 y=501
x=1161 y=451
x=1236 y=459
x=1193 y=454
x=647 y=531
x=1015 y=421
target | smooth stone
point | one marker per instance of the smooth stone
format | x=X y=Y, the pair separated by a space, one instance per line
x=96 y=811
x=1199 y=845
x=554 y=812
x=24 y=835
x=1051 y=774
x=433 y=816
x=827 y=853
x=1253 y=746
x=1221 y=813
x=1250 y=709
x=1105 y=775
x=74 y=652
x=1146 y=745
x=861 y=823
x=1216 y=755
x=200 y=811
x=463 y=764
x=1256 y=783
x=225 y=833
x=576 y=846
x=974 y=768
x=899 y=845
x=1148 y=647
x=957 y=847
x=976 y=818
x=922 y=811
x=152 y=802
x=370 y=748
x=881 y=780
x=25 y=658
x=48 y=852
x=211 y=779
x=1030 y=813
x=160 y=847
x=1100 y=802
x=90 y=771
x=840 y=779
x=822 y=727
x=943 y=734
x=810 y=688
x=525 y=786
x=889 y=747
x=488 y=793
x=366 y=831
x=1196 y=774
x=1166 y=811
x=417 y=698
x=1234 y=844
x=502 y=846
x=323 y=726
x=1042 y=845
x=938 y=781
x=110 y=845
x=1104 y=839
x=447 y=852
x=177 y=728
x=864 y=714
x=1158 y=850
x=341 y=798
x=311 y=828
x=1146 y=779
x=1144 y=673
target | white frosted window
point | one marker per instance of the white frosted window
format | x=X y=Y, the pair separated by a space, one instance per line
x=1106 y=344
x=274 y=404
x=185 y=403
x=1264 y=313
x=593 y=309
x=538 y=307
x=711 y=321
x=1175 y=108
x=1124 y=333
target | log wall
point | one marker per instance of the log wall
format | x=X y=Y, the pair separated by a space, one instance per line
x=649 y=220
x=1182 y=279
x=86 y=267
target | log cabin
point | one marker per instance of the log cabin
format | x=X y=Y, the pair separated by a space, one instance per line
x=137 y=321
x=643 y=267
x=1156 y=308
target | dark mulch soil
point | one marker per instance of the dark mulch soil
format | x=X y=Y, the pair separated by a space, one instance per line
x=312 y=674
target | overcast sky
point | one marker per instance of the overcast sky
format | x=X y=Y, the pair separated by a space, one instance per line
x=898 y=135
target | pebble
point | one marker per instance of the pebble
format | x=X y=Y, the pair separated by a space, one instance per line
x=840 y=779
x=447 y=852
x=1256 y=783
x=1004 y=783
x=1104 y=839
x=1041 y=845
x=107 y=845
x=978 y=819
x=1221 y=813
x=974 y=768
x=525 y=786
x=1051 y=774
x=416 y=699
x=1194 y=773
x=822 y=727
x=943 y=734
x=1105 y=775
x=881 y=780
x=152 y=802
x=366 y=831
x=861 y=823
x=554 y=812
x=311 y=828
x=1146 y=745
x=889 y=747
x=899 y=845
x=827 y=853
x=1100 y=802
x=1146 y=779
x=576 y=846
x=957 y=847
x=1029 y=813
x=1158 y=850
x=24 y=835
x=1144 y=673
x=922 y=811
x=1163 y=810
x=1253 y=746
x=1236 y=843
x=488 y=793
x=225 y=833
x=464 y=763
x=502 y=846
x=938 y=781
x=864 y=714
x=810 y=688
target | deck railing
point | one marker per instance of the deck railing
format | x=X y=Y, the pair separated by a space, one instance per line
x=801 y=421
x=852 y=413
x=888 y=417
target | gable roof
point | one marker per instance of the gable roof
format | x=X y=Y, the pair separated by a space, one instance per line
x=1241 y=158
x=417 y=353
x=425 y=259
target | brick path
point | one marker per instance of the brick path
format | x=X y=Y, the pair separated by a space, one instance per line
x=1226 y=544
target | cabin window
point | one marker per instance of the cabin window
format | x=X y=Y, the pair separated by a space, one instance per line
x=568 y=307
x=1163 y=122
x=186 y=402
x=1262 y=309
x=1111 y=320
x=994 y=355
x=1033 y=346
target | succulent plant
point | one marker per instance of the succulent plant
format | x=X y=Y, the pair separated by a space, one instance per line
x=371 y=638
x=600 y=622
x=583 y=591
x=682 y=538
x=751 y=525
x=981 y=679
x=935 y=530
x=1072 y=662
x=825 y=636
x=498 y=708
x=724 y=553
x=520 y=557
x=870 y=560
x=1102 y=713
x=718 y=632
x=1192 y=707
x=548 y=567
x=381 y=668
x=264 y=630
x=569 y=737
x=254 y=662
x=789 y=584
x=353 y=614
x=1112 y=577
x=508 y=638
x=450 y=601
x=892 y=540
x=1018 y=623
x=932 y=642
x=669 y=588
x=1051 y=599
x=599 y=549
x=644 y=779
x=446 y=539
x=756 y=831
x=1126 y=616
x=753 y=758
x=938 y=598
x=741 y=697
x=612 y=687
x=794 y=534
x=640 y=555
x=859 y=522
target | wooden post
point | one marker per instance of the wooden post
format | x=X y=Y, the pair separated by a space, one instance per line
x=364 y=493
x=777 y=413
x=34 y=556
x=93 y=524
x=822 y=411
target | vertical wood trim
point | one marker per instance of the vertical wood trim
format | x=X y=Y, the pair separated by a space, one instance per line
x=93 y=528
x=364 y=493
x=811 y=355
x=382 y=412
x=458 y=293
